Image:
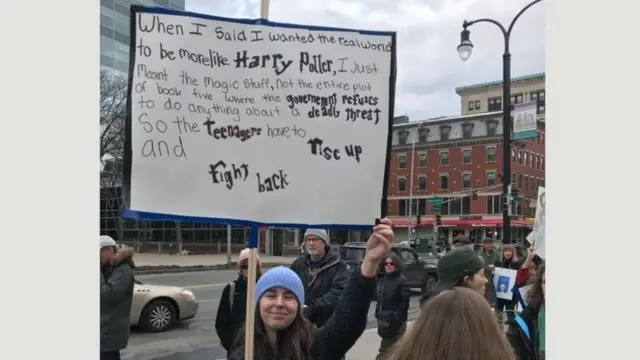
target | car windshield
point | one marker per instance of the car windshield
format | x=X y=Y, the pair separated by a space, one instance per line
x=352 y=254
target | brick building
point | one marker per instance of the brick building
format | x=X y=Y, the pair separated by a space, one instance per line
x=456 y=157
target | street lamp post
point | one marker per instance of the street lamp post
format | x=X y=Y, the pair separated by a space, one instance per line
x=413 y=159
x=464 y=50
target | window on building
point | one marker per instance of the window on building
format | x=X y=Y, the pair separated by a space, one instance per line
x=525 y=159
x=444 y=132
x=471 y=105
x=492 y=128
x=514 y=177
x=444 y=158
x=402 y=137
x=444 y=181
x=422 y=135
x=422 y=183
x=519 y=181
x=402 y=161
x=491 y=154
x=520 y=157
x=477 y=104
x=541 y=163
x=495 y=104
x=513 y=155
x=466 y=156
x=467 y=130
x=526 y=182
x=422 y=160
x=537 y=162
x=419 y=207
x=466 y=181
x=459 y=206
x=491 y=178
x=402 y=184
x=403 y=207
x=494 y=204
x=538 y=97
x=517 y=99
x=542 y=139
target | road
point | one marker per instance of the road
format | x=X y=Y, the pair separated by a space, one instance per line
x=195 y=339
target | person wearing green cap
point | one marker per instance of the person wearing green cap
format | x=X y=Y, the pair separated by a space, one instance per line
x=459 y=267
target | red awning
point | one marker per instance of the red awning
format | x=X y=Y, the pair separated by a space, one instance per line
x=463 y=223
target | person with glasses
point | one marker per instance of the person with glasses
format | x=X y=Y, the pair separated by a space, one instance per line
x=393 y=303
x=233 y=302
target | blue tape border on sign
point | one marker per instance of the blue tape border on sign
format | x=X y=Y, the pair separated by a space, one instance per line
x=126 y=183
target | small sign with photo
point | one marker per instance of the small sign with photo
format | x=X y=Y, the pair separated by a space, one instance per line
x=504 y=280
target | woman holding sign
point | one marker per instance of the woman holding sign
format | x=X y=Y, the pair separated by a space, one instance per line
x=281 y=332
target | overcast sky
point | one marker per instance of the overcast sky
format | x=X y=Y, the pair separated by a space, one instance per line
x=429 y=68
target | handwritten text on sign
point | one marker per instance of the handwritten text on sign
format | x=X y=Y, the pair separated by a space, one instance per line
x=259 y=123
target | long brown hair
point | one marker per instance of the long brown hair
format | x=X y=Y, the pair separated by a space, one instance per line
x=535 y=298
x=459 y=325
x=294 y=342
x=514 y=256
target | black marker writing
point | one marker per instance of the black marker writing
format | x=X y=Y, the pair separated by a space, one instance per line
x=221 y=34
x=159 y=26
x=277 y=181
x=197 y=29
x=219 y=173
x=277 y=62
x=326 y=152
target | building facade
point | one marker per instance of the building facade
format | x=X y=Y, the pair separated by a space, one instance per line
x=459 y=159
x=115 y=28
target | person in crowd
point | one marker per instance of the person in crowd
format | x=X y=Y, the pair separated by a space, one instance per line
x=324 y=275
x=457 y=324
x=393 y=303
x=526 y=332
x=233 y=303
x=527 y=271
x=280 y=330
x=490 y=257
x=508 y=260
x=460 y=267
x=460 y=241
x=116 y=295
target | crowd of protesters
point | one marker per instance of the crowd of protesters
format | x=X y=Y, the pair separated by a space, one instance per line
x=317 y=308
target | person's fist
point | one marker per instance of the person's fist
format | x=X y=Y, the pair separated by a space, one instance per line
x=380 y=241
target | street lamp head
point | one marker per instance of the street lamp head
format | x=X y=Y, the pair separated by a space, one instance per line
x=465 y=47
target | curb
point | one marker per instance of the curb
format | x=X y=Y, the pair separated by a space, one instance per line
x=176 y=269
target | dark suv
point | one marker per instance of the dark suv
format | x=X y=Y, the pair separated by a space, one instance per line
x=419 y=272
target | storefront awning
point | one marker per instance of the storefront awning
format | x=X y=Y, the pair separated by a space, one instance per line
x=463 y=223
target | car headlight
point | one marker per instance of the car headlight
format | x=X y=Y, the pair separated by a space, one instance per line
x=188 y=294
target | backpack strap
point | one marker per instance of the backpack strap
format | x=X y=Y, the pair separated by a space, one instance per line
x=523 y=326
x=232 y=293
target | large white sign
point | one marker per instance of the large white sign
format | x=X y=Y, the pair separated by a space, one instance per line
x=537 y=234
x=267 y=123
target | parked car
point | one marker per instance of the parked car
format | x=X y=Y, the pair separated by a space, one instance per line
x=156 y=308
x=420 y=273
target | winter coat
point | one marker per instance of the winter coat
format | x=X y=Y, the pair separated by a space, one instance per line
x=323 y=286
x=525 y=348
x=341 y=331
x=230 y=319
x=508 y=264
x=116 y=295
x=393 y=305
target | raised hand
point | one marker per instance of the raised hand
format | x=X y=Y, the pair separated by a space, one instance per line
x=378 y=246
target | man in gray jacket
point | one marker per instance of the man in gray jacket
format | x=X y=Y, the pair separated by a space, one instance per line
x=116 y=295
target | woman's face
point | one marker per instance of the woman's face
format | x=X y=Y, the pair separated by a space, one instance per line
x=278 y=308
x=508 y=253
x=389 y=265
x=477 y=282
x=244 y=270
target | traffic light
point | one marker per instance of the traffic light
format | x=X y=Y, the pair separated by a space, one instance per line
x=474 y=195
x=438 y=220
x=418 y=219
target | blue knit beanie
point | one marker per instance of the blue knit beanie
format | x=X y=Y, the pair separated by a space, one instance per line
x=280 y=277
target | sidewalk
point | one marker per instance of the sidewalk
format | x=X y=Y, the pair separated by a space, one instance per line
x=165 y=260
x=366 y=348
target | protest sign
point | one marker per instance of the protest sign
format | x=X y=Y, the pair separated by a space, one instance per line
x=255 y=122
x=504 y=280
x=537 y=236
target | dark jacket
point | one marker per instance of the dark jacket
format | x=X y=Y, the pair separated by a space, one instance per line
x=393 y=305
x=229 y=320
x=508 y=264
x=322 y=289
x=341 y=331
x=525 y=348
x=116 y=295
